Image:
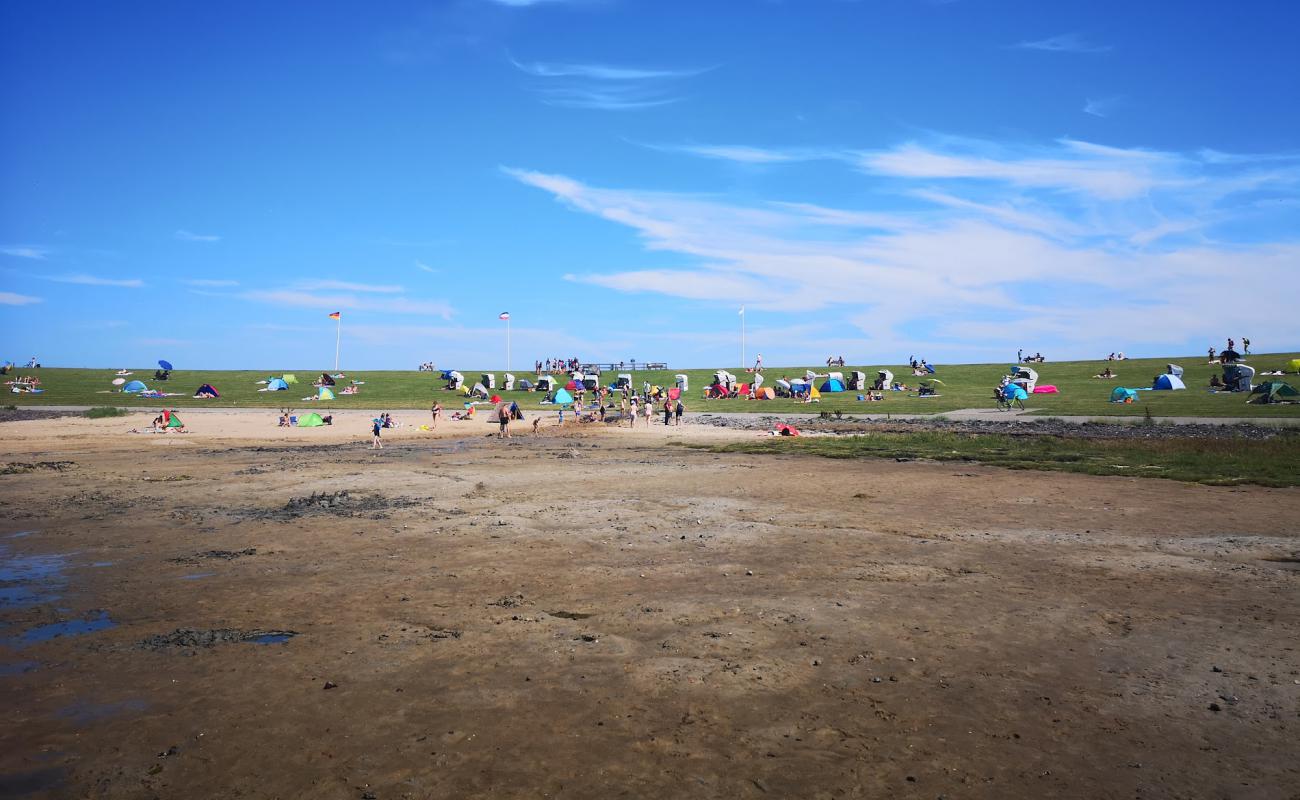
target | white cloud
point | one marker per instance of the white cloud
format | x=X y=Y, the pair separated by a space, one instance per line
x=1101 y=107
x=345 y=286
x=25 y=251
x=525 y=3
x=211 y=282
x=328 y=303
x=745 y=154
x=1080 y=242
x=617 y=98
x=601 y=72
x=1064 y=43
x=84 y=279
x=186 y=236
x=11 y=299
x=423 y=267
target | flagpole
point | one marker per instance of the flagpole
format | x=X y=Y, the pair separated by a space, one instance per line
x=507 y=344
x=338 y=337
x=743 y=362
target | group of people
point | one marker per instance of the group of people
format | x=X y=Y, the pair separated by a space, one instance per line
x=428 y=366
x=24 y=383
x=835 y=361
x=556 y=365
x=921 y=367
x=1036 y=358
x=1116 y=357
x=1223 y=357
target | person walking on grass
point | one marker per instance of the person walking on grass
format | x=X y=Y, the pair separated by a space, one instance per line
x=1245 y=346
x=375 y=426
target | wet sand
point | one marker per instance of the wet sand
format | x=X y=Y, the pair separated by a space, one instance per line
x=244 y=611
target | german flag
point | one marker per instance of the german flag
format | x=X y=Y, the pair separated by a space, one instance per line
x=336 y=315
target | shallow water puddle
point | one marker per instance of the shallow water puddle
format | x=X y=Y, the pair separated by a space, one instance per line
x=27 y=580
x=84 y=711
x=56 y=630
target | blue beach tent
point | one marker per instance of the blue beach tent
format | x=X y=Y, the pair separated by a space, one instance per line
x=277 y=385
x=135 y=386
x=833 y=385
x=562 y=397
x=1168 y=382
x=1014 y=391
x=1122 y=395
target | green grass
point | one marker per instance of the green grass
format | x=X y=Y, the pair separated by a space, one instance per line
x=965 y=386
x=1218 y=462
x=100 y=412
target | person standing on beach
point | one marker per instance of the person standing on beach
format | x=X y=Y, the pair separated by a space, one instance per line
x=375 y=443
x=503 y=417
x=436 y=412
x=679 y=410
x=668 y=411
x=636 y=409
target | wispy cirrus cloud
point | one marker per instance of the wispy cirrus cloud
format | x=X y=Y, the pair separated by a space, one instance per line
x=746 y=154
x=84 y=279
x=1069 y=240
x=603 y=86
x=25 y=251
x=348 y=286
x=12 y=299
x=1064 y=43
x=423 y=267
x=187 y=236
x=213 y=283
x=526 y=3
x=327 y=302
x=1102 y=106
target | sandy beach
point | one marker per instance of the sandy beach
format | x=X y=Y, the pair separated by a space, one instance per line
x=248 y=611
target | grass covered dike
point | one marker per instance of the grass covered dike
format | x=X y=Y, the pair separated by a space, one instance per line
x=964 y=386
x=1215 y=462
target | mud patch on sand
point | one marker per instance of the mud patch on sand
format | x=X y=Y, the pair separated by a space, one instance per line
x=194 y=638
x=21 y=467
x=218 y=555
x=339 y=504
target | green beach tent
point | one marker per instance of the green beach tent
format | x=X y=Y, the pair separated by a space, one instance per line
x=1293 y=365
x=325 y=393
x=310 y=421
x=289 y=377
x=1274 y=392
x=174 y=421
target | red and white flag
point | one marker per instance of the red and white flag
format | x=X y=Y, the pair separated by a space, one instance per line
x=504 y=315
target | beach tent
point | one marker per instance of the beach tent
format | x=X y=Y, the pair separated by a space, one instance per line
x=1014 y=391
x=724 y=379
x=312 y=420
x=289 y=377
x=1274 y=392
x=135 y=386
x=571 y=386
x=1174 y=369
x=526 y=385
x=1237 y=377
x=277 y=385
x=446 y=374
x=170 y=420
x=1168 y=381
x=764 y=393
x=324 y=393
x=1293 y=365
x=833 y=385
x=545 y=383
x=1027 y=377
x=207 y=388
x=508 y=383
x=562 y=397
x=743 y=390
x=813 y=392
x=1122 y=395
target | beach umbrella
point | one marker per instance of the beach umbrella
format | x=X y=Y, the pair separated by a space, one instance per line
x=167 y=365
x=119 y=381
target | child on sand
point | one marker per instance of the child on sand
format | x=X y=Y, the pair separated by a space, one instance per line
x=375 y=443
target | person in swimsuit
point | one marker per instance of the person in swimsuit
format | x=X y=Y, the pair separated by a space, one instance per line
x=375 y=426
x=436 y=412
x=503 y=418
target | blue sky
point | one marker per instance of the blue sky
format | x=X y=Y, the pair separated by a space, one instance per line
x=877 y=179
